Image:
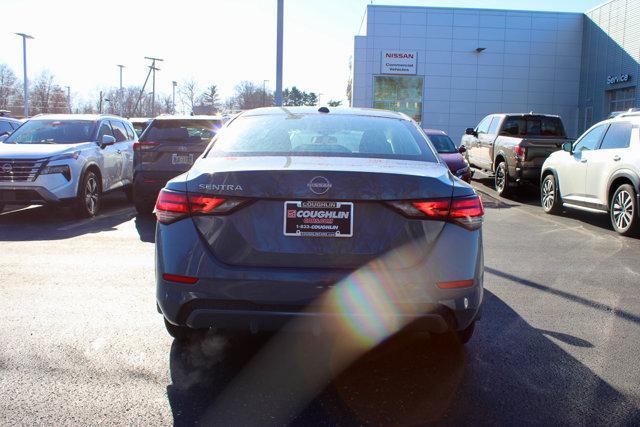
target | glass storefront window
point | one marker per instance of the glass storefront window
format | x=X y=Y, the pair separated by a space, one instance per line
x=399 y=93
x=621 y=99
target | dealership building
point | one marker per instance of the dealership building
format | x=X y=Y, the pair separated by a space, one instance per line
x=449 y=67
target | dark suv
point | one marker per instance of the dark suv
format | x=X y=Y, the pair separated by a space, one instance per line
x=167 y=148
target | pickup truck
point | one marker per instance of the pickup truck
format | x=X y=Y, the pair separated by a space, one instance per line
x=513 y=147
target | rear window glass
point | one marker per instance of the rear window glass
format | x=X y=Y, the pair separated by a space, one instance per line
x=522 y=126
x=323 y=135
x=53 y=132
x=183 y=131
x=442 y=144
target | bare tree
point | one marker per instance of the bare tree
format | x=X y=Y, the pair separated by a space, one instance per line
x=249 y=95
x=188 y=92
x=46 y=96
x=8 y=87
x=210 y=98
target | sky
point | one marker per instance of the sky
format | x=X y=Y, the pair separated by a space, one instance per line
x=212 y=41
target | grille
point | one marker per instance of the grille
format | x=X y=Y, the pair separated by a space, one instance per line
x=14 y=170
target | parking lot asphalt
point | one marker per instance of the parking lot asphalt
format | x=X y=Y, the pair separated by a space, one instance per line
x=82 y=342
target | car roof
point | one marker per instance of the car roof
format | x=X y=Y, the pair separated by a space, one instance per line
x=434 y=131
x=186 y=117
x=88 y=117
x=285 y=111
x=525 y=114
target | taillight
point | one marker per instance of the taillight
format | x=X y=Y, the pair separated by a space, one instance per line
x=521 y=152
x=188 y=280
x=467 y=212
x=144 y=145
x=172 y=206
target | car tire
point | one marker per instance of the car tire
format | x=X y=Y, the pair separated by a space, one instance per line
x=181 y=333
x=89 y=198
x=465 y=335
x=502 y=183
x=549 y=195
x=128 y=192
x=623 y=211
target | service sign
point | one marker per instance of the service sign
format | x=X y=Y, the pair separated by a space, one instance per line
x=399 y=62
x=620 y=78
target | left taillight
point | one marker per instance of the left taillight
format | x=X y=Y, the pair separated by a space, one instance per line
x=521 y=152
x=172 y=206
x=467 y=212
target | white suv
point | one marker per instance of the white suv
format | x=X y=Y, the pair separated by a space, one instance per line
x=600 y=172
x=69 y=159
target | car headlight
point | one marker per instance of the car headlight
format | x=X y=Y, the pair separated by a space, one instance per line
x=62 y=169
x=462 y=171
x=66 y=156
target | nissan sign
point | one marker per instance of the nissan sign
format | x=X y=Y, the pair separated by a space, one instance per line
x=398 y=62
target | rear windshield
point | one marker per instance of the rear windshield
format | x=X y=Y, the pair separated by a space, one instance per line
x=139 y=128
x=521 y=126
x=182 y=131
x=53 y=132
x=443 y=144
x=323 y=135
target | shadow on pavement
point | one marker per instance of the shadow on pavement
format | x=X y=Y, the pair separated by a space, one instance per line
x=510 y=373
x=55 y=222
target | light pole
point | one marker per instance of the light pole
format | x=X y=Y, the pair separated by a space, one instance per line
x=264 y=93
x=120 y=91
x=278 y=94
x=24 y=62
x=153 y=68
x=69 y=98
x=173 y=96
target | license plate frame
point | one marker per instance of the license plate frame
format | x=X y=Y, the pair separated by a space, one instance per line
x=181 y=159
x=336 y=220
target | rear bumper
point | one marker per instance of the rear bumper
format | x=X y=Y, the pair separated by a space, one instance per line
x=317 y=299
x=528 y=173
x=147 y=184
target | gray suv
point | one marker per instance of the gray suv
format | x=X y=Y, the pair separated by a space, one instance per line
x=167 y=148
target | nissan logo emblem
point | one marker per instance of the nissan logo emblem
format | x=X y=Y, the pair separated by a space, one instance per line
x=6 y=168
x=319 y=185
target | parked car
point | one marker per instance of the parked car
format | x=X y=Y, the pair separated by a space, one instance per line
x=451 y=155
x=140 y=124
x=7 y=126
x=513 y=147
x=288 y=207
x=599 y=173
x=70 y=159
x=167 y=148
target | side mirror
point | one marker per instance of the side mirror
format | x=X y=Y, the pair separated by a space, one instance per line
x=470 y=131
x=568 y=147
x=462 y=149
x=3 y=137
x=107 y=140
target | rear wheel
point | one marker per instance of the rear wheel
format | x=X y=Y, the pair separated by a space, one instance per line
x=549 y=195
x=502 y=183
x=88 y=201
x=624 y=210
x=181 y=333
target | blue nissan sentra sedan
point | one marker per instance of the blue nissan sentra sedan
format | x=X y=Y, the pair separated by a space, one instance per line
x=319 y=219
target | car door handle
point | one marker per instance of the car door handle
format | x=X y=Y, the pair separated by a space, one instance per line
x=583 y=161
x=118 y=151
x=616 y=158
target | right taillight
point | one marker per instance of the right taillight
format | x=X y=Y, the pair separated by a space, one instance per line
x=172 y=206
x=521 y=152
x=467 y=212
